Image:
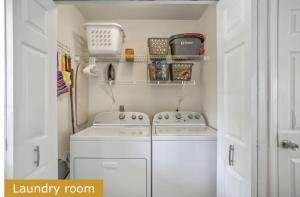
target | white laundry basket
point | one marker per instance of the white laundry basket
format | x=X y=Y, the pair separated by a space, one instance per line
x=105 y=39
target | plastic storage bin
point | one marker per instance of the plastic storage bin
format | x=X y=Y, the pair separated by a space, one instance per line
x=159 y=71
x=181 y=71
x=158 y=47
x=187 y=46
x=105 y=38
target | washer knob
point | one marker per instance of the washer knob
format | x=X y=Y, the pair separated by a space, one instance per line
x=166 y=116
x=197 y=116
x=133 y=116
x=190 y=116
x=122 y=116
x=141 y=117
x=178 y=116
x=159 y=117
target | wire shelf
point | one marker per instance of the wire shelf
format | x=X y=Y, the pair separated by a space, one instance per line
x=148 y=82
x=147 y=58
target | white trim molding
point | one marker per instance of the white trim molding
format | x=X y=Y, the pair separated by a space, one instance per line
x=9 y=159
x=2 y=95
x=263 y=81
x=273 y=94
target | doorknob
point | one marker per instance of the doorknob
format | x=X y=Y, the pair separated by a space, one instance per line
x=290 y=145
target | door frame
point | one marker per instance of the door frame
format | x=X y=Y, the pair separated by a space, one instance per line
x=267 y=182
x=9 y=94
x=2 y=95
x=263 y=102
x=273 y=100
x=268 y=95
x=267 y=141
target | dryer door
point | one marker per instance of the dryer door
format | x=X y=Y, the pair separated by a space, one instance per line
x=122 y=177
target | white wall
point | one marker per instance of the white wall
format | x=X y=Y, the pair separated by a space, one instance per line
x=209 y=70
x=145 y=98
x=70 y=21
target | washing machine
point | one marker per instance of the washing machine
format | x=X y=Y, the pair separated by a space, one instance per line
x=117 y=149
x=184 y=155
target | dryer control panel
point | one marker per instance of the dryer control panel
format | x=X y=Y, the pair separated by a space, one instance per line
x=122 y=118
x=179 y=118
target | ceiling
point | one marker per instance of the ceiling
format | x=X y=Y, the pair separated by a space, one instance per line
x=135 y=11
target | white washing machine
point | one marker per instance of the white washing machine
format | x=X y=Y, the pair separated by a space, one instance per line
x=117 y=149
x=184 y=156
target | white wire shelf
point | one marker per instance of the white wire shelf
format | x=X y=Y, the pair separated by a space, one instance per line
x=147 y=58
x=147 y=82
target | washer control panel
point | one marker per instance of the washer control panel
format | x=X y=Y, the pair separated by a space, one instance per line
x=121 y=118
x=180 y=117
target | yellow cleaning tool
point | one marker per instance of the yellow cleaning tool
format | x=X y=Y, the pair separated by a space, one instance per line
x=66 y=74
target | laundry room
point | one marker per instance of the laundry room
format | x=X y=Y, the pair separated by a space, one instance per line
x=131 y=87
x=155 y=98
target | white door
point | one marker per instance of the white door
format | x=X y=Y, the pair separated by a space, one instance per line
x=237 y=98
x=31 y=89
x=289 y=98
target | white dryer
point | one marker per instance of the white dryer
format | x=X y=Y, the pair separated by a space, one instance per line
x=117 y=149
x=184 y=156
